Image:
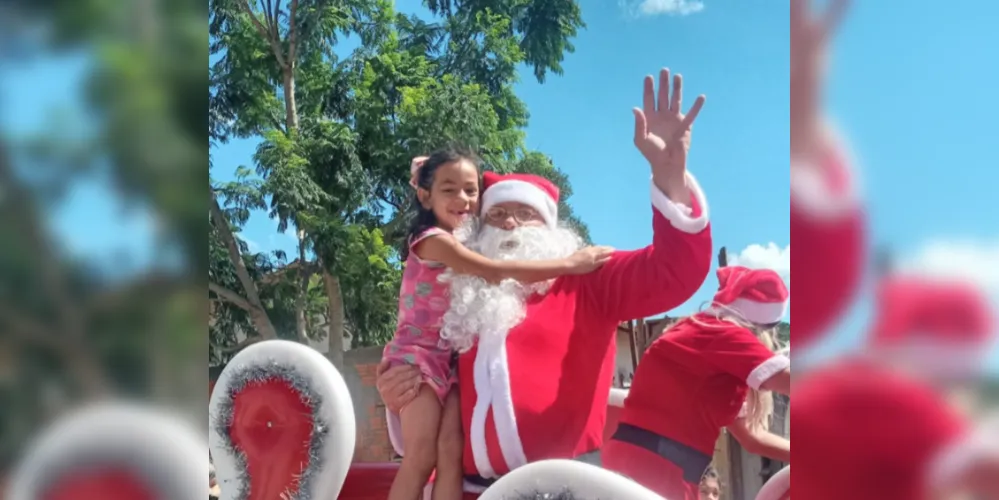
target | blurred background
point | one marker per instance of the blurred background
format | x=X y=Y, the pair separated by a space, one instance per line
x=103 y=165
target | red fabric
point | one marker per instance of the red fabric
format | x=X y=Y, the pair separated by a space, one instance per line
x=829 y=258
x=869 y=433
x=758 y=285
x=692 y=381
x=914 y=308
x=649 y=470
x=272 y=426
x=490 y=178
x=100 y=485
x=561 y=357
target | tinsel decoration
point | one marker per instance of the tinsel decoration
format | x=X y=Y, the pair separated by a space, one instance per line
x=564 y=494
x=135 y=460
x=243 y=375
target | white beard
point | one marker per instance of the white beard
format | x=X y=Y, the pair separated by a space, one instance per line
x=479 y=309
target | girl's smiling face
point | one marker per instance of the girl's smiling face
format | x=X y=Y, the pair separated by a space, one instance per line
x=454 y=195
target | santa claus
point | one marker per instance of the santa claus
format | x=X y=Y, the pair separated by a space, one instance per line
x=537 y=362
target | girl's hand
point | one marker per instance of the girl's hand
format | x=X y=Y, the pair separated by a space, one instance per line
x=662 y=133
x=809 y=51
x=589 y=259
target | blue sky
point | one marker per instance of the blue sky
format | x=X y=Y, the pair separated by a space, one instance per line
x=737 y=56
x=911 y=86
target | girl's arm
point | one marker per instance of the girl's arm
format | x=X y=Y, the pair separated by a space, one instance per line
x=779 y=383
x=759 y=441
x=448 y=251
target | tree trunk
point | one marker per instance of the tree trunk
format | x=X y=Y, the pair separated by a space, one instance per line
x=261 y=322
x=301 y=321
x=290 y=111
x=335 y=329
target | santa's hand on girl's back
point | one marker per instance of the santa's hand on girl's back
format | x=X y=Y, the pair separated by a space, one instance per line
x=589 y=259
x=397 y=385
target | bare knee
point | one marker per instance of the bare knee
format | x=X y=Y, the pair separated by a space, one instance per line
x=421 y=455
x=450 y=445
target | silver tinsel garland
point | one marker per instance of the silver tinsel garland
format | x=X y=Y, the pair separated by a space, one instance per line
x=243 y=375
x=564 y=494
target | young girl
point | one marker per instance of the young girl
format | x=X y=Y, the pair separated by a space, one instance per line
x=447 y=194
x=696 y=379
x=710 y=485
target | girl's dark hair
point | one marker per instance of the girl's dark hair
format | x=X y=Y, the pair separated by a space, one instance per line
x=422 y=218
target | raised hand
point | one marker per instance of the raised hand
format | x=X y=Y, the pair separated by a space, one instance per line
x=662 y=132
x=810 y=36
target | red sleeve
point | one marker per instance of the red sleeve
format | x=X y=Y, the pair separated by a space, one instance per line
x=663 y=275
x=737 y=351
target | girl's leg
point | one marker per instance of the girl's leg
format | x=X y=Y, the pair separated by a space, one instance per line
x=420 y=423
x=450 y=444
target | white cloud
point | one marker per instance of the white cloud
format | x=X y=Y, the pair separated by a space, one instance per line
x=771 y=256
x=977 y=262
x=662 y=7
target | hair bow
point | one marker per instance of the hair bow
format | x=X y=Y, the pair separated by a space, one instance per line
x=414 y=169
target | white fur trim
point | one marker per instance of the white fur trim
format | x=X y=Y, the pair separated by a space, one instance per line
x=160 y=445
x=483 y=400
x=337 y=409
x=504 y=415
x=936 y=359
x=767 y=369
x=552 y=476
x=777 y=486
x=809 y=188
x=677 y=212
x=761 y=313
x=616 y=397
x=517 y=191
x=955 y=460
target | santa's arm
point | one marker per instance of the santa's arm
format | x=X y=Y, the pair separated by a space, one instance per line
x=663 y=275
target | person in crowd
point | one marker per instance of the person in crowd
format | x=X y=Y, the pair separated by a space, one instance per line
x=713 y=370
x=711 y=486
x=446 y=197
x=535 y=378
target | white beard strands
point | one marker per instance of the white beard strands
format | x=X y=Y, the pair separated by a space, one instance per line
x=479 y=309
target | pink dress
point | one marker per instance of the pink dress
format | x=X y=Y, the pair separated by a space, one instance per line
x=423 y=300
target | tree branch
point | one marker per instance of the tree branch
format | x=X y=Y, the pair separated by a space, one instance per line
x=257 y=312
x=230 y=296
x=264 y=32
x=27 y=330
x=240 y=346
x=390 y=202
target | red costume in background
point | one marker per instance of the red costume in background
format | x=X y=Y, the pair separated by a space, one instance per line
x=692 y=382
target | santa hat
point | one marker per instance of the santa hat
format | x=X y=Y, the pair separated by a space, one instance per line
x=945 y=328
x=756 y=295
x=531 y=190
x=872 y=433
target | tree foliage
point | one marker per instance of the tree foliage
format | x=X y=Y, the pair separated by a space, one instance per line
x=337 y=131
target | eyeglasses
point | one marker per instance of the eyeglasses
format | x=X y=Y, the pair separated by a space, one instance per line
x=521 y=215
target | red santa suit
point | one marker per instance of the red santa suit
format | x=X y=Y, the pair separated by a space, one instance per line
x=692 y=382
x=542 y=393
x=872 y=433
x=828 y=232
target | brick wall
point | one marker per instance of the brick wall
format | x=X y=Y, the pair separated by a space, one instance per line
x=359 y=369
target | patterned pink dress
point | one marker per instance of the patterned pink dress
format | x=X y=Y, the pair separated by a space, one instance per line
x=423 y=300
